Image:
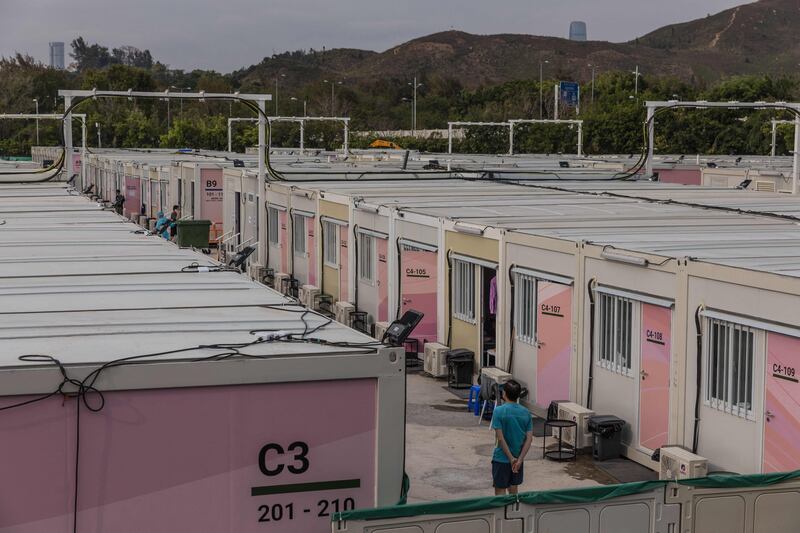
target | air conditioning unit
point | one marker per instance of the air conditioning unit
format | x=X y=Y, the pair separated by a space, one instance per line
x=580 y=415
x=435 y=359
x=342 y=311
x=281 y=280
x=677 y=463
x=380 y=329
x=309 y=296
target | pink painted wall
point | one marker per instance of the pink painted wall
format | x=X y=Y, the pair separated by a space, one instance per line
x=211 y=200
x=383 y=279
x=656 y=347
x=186 y=460
x=782 y=428
x=683 y=176
x=133 y=196
x=554 y=333
x=419 y=291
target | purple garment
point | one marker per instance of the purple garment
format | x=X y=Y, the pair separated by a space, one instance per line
x=493 y=296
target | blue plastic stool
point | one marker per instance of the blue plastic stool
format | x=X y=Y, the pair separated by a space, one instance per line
x=474 y=400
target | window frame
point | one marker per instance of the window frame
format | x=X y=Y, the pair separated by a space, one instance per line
x=610 y=336
x=330 y=230
x=464 y=291
x=273 y=226
x=299 y=223
x=727 y=399
x=366 y=261
x=525 y=307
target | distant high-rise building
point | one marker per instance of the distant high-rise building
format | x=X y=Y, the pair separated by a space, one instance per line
x=57 y=55
x=577 y=31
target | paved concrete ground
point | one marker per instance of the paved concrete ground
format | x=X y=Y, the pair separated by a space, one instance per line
x=448 y=455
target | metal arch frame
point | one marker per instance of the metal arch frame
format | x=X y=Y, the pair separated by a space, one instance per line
x=460 y=123
x=510 y=125
x=775 y=134
x=231 y=120
x=58 y=116
x=259 y=99
x=516 y=121
x=301 y=120
x=652 y=106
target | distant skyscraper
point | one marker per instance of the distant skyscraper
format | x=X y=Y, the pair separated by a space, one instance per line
x=57 y=55
x=577 y=31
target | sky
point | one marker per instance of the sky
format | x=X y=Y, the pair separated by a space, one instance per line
x=225 y=35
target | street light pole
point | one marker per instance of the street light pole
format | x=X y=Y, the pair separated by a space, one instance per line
x=333 y=102
x=36 y=101
x=416 y=86
x=276 y=93
x=97 y=125
x=636 y=85
x=541 y=89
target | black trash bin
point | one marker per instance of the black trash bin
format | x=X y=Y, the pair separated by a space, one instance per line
x=460 y=364
x=606 y=433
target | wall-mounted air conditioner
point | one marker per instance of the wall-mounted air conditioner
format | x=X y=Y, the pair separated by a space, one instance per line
x=435 y=359
x=580 y=415
x=342 y=311
x=677 y=463
x=281 y=282
x=309 y=296
x=380 y=329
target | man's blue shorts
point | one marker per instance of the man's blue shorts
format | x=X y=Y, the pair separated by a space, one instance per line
x=503 y=477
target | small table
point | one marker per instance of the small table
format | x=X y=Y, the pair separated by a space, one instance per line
x=561 y=453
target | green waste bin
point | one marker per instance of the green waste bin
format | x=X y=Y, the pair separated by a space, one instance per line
x=193 y=233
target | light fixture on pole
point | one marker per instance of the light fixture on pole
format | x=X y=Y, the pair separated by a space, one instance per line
x=276 y=93
x=36 y=102
x=181 y=89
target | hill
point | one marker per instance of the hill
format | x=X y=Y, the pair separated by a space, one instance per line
x=752 y=38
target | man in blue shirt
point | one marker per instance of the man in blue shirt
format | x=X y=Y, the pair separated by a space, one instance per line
x=513 y=428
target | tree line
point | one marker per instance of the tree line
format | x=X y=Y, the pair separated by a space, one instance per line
x=613 y=112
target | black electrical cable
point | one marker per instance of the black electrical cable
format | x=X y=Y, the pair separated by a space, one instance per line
x=590 y=290
x=399 y=277
x=355 y=266
x=449 y=298
x=511 y=324
x=699 y=370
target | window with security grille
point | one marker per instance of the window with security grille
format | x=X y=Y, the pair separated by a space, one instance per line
x=729 y=367
x=299 y=234
x=330 y=243
x=464 y=290
x=274 y=226
x=614 y=332
x=525 y=308
x=366 y=258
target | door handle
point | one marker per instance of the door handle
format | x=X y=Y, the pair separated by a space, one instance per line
x=769 y=415
x=643 y=374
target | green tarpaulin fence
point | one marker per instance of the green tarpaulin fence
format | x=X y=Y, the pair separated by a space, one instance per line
x=581 y=495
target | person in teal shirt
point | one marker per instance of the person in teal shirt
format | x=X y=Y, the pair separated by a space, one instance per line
x=513 y=429
x=162 y=225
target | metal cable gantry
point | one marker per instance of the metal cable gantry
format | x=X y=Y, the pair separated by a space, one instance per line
x=654 y=107
x=301 y=120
